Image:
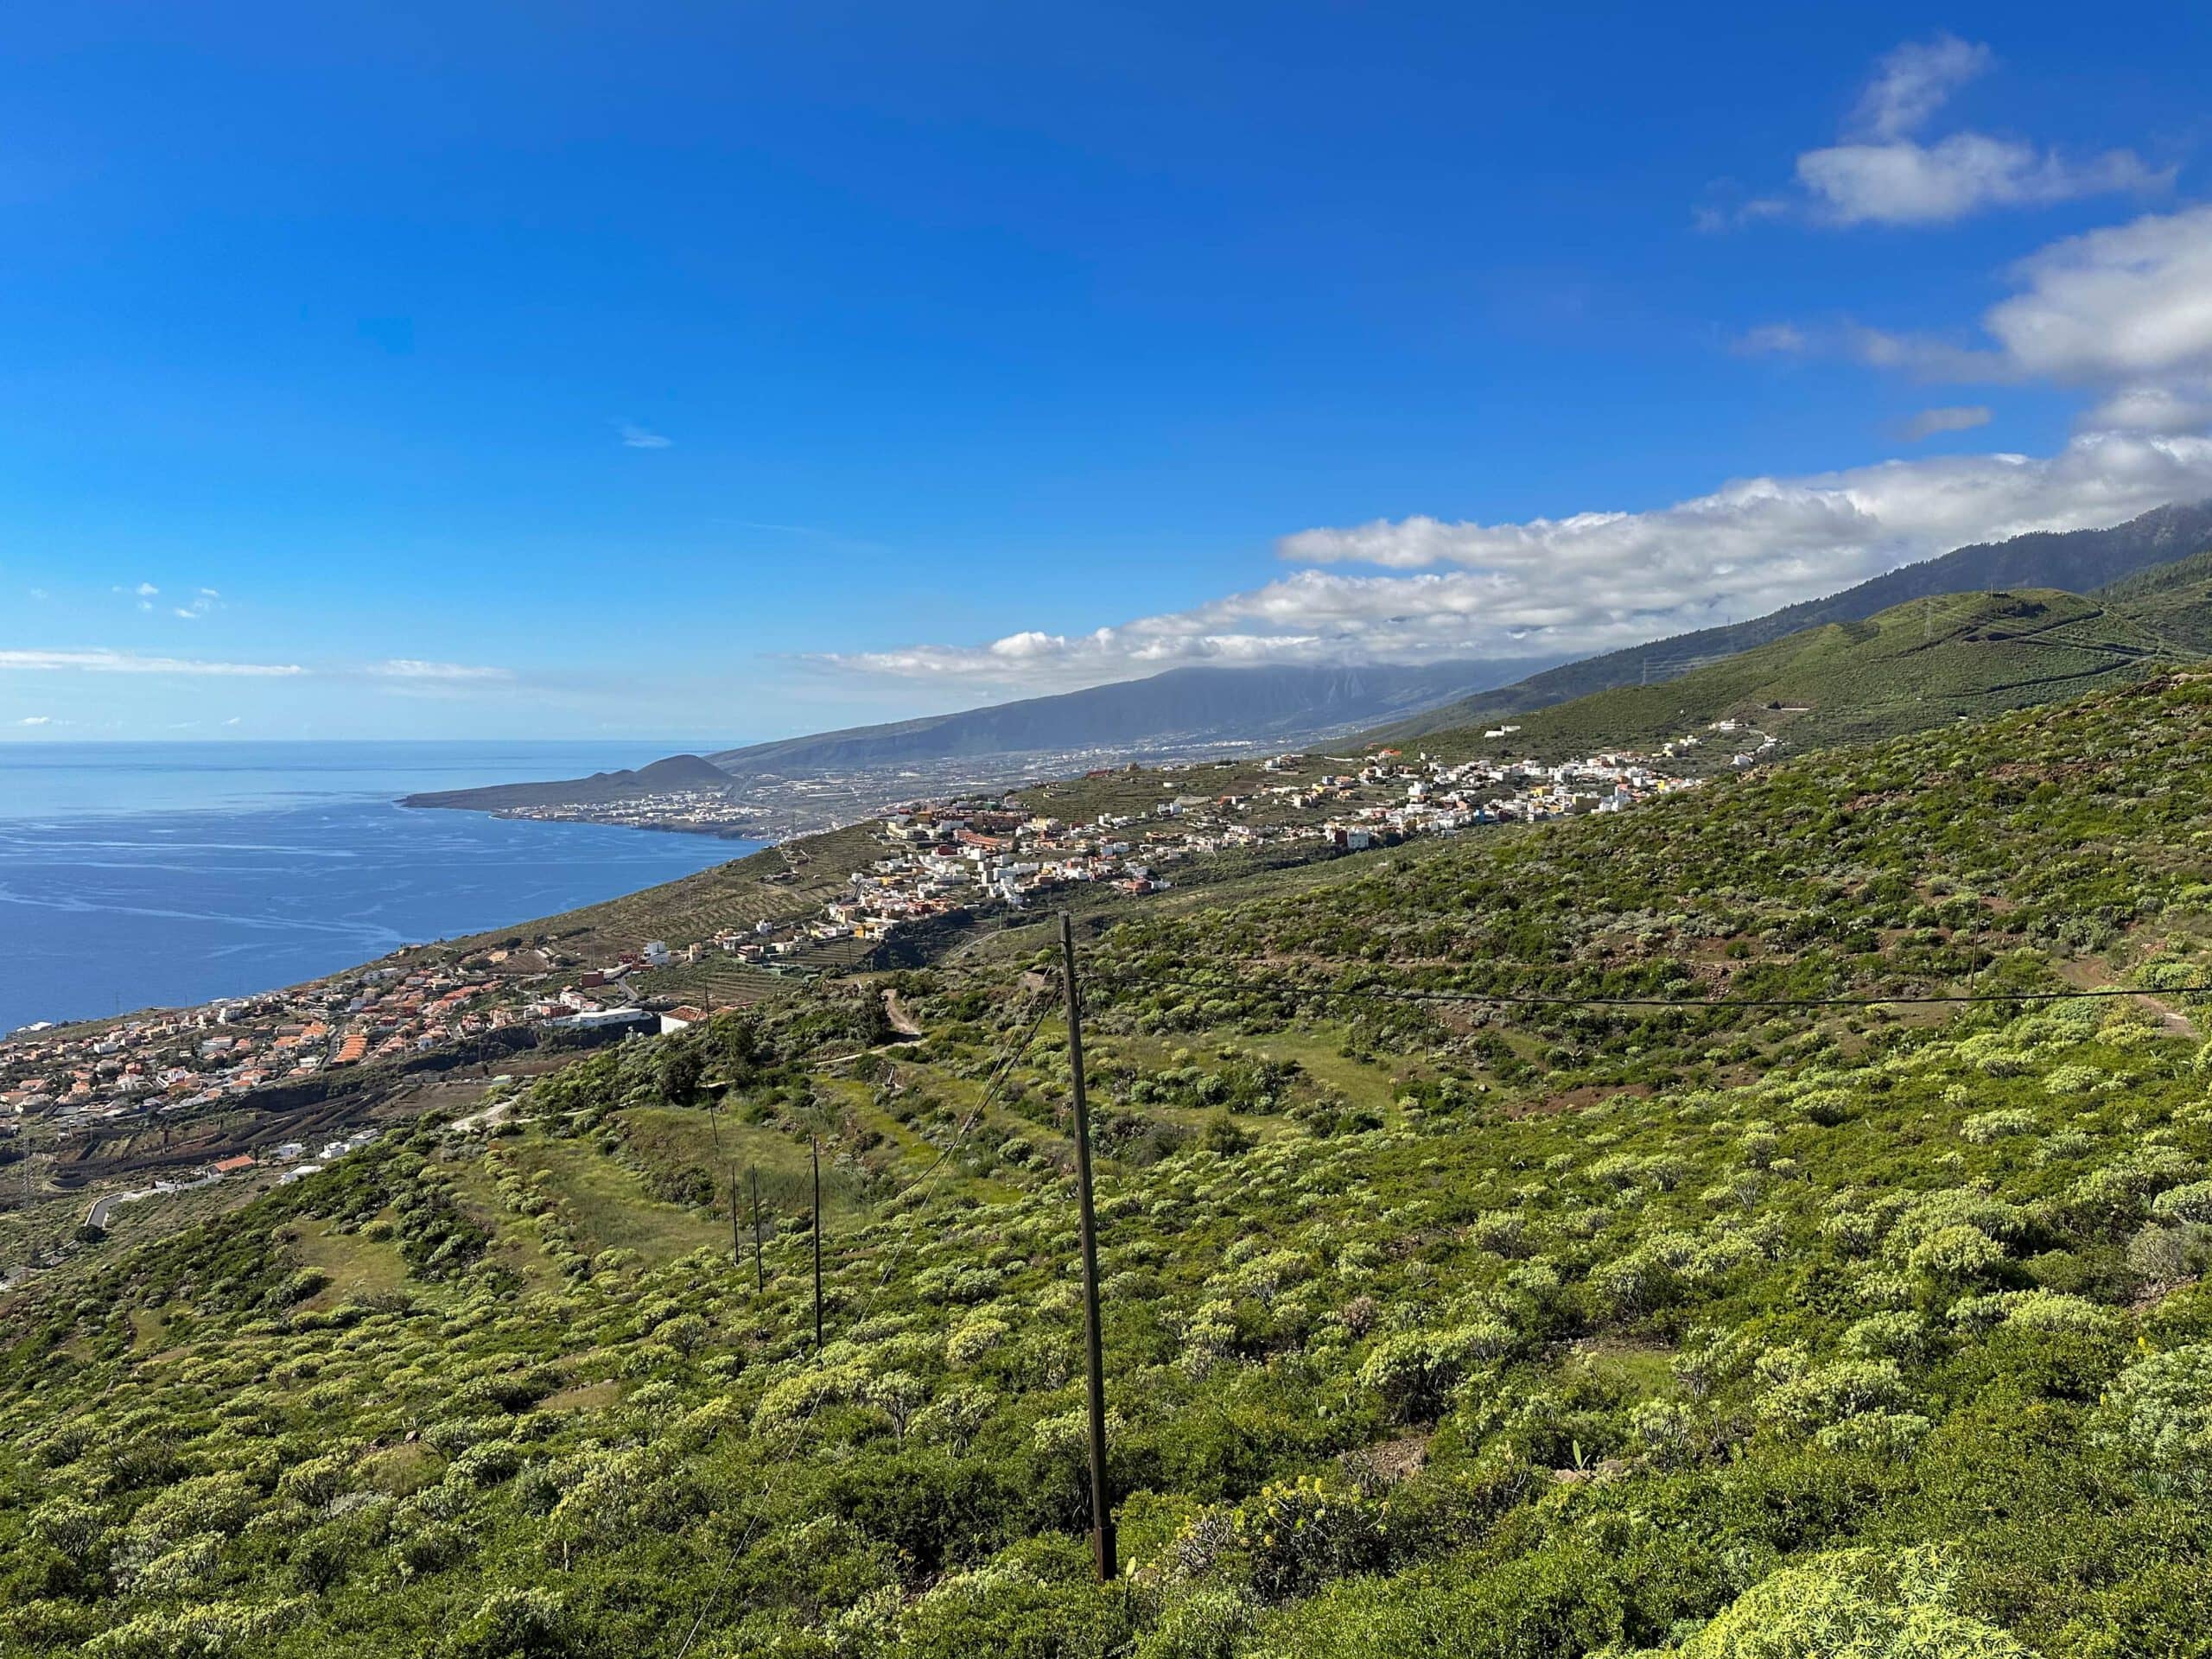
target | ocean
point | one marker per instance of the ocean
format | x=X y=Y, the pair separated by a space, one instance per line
x=144 y=875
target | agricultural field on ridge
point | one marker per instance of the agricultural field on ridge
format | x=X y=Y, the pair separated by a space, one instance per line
x=1952 y=657
x=2173 y=601
x=1481 y=1329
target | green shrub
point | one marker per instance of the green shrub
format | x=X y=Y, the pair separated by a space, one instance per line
x=2159 y=1414
x=1855 y=1605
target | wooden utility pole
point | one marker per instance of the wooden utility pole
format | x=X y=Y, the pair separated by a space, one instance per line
x=1102 y=1513
x=814 y=1143
x=760 y=1272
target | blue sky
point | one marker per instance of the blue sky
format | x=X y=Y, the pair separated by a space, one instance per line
x=585 y=370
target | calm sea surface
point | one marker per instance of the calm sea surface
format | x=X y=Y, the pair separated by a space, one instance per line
x=140 y=874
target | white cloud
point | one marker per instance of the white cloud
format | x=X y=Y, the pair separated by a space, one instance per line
x=1958 y=418
x=1880 y=172
x=2124 y=312
x=40 y=593
x=2155 y=409
x=637 y=437
x=2130 y=303
x=145 y=590
x=1038 y=661
x=35 y=720
x=1549 y=588
x=411 y=668
x=1912 y=81
x=1909 y=183
x=124 y=662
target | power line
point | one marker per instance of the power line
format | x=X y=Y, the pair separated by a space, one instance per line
x=1101 y=1510
x=995 y=1081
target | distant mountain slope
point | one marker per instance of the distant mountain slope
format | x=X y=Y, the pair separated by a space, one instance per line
x=1913 y=665
x=2076 y=560
x=677 y=771
x=2173 y=601
x=1194 y=708
x=1268 y=704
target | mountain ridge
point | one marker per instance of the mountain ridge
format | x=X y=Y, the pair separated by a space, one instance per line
x=1195 y=708
x=2075 y=561
x=666 y=776
x=1208 y=704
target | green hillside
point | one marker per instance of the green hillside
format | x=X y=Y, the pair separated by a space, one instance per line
x=2172 y=601
x=2075 y=561
x=1809 y=1323
x=783 y=882
x=1933 y=660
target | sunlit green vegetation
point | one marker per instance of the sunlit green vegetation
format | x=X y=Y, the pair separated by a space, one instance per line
x=1453 y=1328
x=1923 y=664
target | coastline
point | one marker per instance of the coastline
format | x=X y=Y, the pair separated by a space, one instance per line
x=134 y=882
x=718 y=832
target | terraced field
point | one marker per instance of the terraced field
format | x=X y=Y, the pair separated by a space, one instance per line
x=1965 y=656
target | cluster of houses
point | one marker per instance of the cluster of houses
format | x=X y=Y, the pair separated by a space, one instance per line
x=291 y=1159
x=712 y=812
x=951 y=858
x=77 y=1077
x=175 y=1061
x=1737 y=731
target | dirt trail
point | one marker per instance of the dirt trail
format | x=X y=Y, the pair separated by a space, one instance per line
x=2174 y=1020
x=2092 y=976
x=901 y=1022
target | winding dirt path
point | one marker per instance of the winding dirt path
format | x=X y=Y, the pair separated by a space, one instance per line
x=901 y=1022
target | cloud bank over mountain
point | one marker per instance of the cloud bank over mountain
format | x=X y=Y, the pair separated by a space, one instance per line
x=1595 y=580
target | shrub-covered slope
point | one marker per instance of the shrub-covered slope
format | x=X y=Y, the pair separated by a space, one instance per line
x=2076 y=560
x=1961 y=655
x=2173 y=601
x=1430 y=1327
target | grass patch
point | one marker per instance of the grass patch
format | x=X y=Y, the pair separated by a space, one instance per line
x=359 y=1267
x=611 y=1210
x=584 y=1396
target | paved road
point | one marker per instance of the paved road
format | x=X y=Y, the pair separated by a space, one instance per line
x=102 y=1207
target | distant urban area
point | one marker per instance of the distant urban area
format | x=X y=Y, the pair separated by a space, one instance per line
x=934 y=861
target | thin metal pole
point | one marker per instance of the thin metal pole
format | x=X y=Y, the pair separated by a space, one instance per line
x=1102 y=1513
x=814 y=1143
x=760 y=1272
x=736 y=1243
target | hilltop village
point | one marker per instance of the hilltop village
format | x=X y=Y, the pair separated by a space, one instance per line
x=941 y=858
x=938 y=862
